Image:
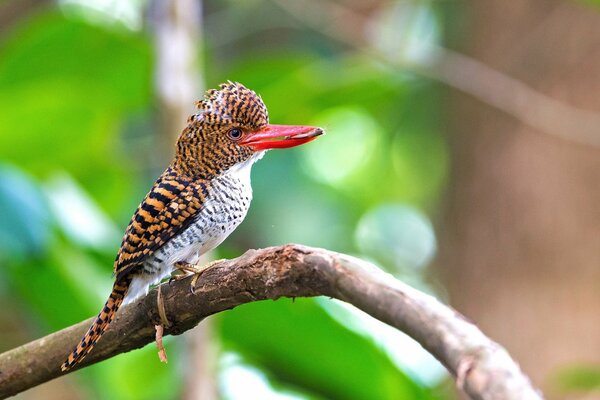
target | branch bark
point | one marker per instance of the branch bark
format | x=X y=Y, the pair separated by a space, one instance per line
x=482 y=368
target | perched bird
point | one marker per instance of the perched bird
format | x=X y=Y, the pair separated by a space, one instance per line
x=198 y=200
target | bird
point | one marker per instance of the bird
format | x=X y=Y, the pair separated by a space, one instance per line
x=200 y=198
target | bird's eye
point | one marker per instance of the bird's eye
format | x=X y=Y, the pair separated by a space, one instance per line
x=235 y=134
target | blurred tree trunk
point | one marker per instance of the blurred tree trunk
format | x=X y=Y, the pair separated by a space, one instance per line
x=12 y=11
x=179 y=79
x=521 y=228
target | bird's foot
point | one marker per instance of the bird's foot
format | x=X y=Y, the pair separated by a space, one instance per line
x=185 y=270
x=203 y=270
x=193 y=269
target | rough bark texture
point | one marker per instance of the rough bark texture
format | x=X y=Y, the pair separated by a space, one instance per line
x=521 y=234
x=482 y=368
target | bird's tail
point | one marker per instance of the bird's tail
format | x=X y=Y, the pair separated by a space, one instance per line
x=100 y=325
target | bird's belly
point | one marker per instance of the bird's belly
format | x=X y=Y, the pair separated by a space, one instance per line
x=200 y=237
x=224 y=210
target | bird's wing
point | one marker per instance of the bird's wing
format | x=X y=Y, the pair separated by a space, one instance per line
x=168 y=209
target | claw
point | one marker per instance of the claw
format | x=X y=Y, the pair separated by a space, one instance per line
x=197 y=271
x=193 y=283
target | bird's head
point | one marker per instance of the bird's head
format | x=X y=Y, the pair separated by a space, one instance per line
x=232 y=128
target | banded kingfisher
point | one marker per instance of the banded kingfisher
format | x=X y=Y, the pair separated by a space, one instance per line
x=202 y=196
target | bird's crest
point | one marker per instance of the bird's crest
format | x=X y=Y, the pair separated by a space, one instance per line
x=232 y=103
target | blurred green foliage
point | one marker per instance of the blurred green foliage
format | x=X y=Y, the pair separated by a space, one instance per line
x=329 y=361
x=578 y=379
x=76 y=105
x=66 y=87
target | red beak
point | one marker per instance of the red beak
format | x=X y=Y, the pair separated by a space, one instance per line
x=280 y=136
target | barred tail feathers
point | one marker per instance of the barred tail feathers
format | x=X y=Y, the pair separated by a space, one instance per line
x=100 y=325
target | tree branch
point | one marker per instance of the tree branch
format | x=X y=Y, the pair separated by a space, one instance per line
x=482 y=368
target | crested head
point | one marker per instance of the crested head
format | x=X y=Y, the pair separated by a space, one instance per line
x=232 y=104
x=231 y=127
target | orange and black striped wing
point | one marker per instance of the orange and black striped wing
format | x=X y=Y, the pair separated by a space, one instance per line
x=167 y=210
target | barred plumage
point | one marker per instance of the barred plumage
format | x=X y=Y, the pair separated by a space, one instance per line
x=100 y=324
x=198 y=200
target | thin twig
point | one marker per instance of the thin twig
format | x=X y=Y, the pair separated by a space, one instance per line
x=162 y=353
x=484 y=368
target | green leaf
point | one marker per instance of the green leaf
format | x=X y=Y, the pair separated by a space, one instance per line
x=298 y=344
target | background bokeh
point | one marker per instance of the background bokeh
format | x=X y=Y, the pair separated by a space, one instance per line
x=462 y=155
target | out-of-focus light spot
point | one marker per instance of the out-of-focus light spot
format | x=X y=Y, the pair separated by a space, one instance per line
x=107 y=12
x=405 y=352
x=78 y=215
x=406 y=31
x=351 y=136
x=241 y=381
x=398 y=235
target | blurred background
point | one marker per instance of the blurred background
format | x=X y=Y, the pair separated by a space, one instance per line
x=462 y=155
